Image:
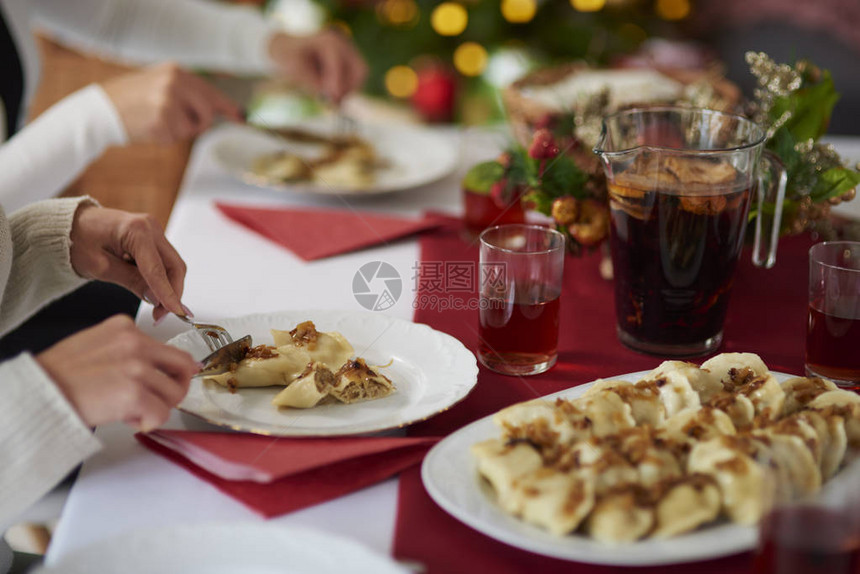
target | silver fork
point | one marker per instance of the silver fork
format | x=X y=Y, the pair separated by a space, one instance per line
x=214 y=336
x=344 y=125
x=224 y=350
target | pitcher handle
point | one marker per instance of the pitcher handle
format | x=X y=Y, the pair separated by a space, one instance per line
x=770 y=195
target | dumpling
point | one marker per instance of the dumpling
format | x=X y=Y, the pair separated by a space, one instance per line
x=798 y=474
x=732 y=369
x=308 y=390
x=744 y=485
x=356 y=382
x=739 y=408
x=831 y=437
x=555 y=500
x=643 y=398
x=842 y=403
x=701 y=425
x=608 y=413
x=685 y=505
x=330 y=349
x=502 y=463
x=621 y=516
x=700 y=380
x=800 y=391
x=539 y=421
x=676 y=391
x=264 y=366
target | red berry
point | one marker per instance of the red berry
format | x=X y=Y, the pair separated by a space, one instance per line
x=543 y=145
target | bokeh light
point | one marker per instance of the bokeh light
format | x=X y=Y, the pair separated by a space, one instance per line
x=588 y=5
x=673 y=9
x=449 y=19
x=519 y=11
x=401 y=81
x=470 y=58
x=398 y=12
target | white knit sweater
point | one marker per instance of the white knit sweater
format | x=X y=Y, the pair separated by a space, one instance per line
x=41 y=436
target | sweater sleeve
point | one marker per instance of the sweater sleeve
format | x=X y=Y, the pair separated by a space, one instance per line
x=42 y=438
x=48 y=154
x=195 y=33
x=41 y=268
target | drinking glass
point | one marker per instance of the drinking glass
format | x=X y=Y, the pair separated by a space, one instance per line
x=814 y=535
x=681 y=182
x=833 y=328
x=521 y=278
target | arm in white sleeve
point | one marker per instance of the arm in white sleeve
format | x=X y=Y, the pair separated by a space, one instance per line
x=41 y=267
x=42 y=438
x=194 y=33
x=50 y=152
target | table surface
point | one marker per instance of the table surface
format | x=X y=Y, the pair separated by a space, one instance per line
x=125 y=486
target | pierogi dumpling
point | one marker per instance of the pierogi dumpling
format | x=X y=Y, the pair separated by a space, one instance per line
x=739 y=408
x=744 y=485
x=685 y=505
x=308 y=390
x=329 y=349
x=800 y=391
x=538 y=421
x=700 y=380
x=555 y=500
x=356 y=382
x=676 y=391
x=844 y=404
x=620 y=517
x=502 y=463
x=264 y=366
x=643 y=398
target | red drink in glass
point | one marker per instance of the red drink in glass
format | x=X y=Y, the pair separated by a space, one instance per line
x=808 y=540
x=521 y=279
x=833 y=328
x=833 y=341
x=521 y=332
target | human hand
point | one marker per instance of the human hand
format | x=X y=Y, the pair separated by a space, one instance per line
x=165 y=103
x=113 y=372
x=129 y=249
x=326 y=62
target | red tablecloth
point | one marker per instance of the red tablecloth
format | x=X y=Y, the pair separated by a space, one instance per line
x=767 y=315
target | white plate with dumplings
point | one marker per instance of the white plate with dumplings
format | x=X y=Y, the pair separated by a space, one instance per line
x=451 y=476
x=430 y=370
x=409 y=157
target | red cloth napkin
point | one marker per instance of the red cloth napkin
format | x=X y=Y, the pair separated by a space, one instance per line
x=315 y=234
x=273 y=476
x=767 y=315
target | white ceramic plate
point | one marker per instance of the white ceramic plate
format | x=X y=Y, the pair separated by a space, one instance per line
x=451 y=478
x=414 y=156
x=430 y=369
x=219 y=548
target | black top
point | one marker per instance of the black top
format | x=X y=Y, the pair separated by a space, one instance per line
x=11 y=77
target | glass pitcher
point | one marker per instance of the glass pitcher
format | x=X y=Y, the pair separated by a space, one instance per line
x=681 y=182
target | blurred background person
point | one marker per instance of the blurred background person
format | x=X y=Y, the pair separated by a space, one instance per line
x=160 y=104
x=827 y=32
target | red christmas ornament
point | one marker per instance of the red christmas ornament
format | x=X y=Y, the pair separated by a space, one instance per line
x=435 y=94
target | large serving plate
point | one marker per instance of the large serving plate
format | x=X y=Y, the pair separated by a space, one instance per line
x=451 y=478
x=221 y=548
x=431 y=370
x=414 y=156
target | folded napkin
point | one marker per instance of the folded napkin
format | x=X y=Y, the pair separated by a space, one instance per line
x=274 y=476
x=315 y=234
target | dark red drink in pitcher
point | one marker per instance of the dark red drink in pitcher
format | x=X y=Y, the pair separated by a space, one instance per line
x=680 y=183
x=675 y=247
